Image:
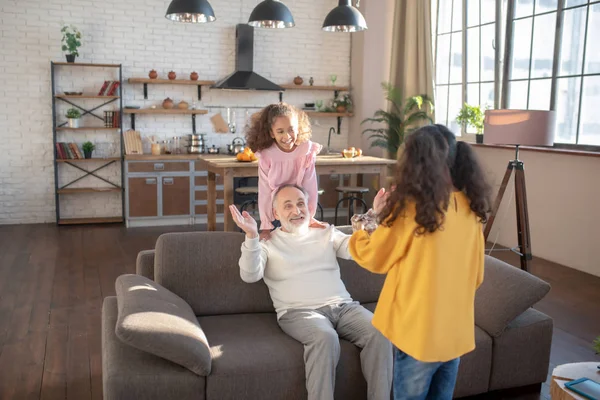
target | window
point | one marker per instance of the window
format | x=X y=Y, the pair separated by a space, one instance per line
x=564 y=77
x=449 y=62
x=468 y=77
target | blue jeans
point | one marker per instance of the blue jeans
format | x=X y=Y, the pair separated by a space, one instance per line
x=417 y=380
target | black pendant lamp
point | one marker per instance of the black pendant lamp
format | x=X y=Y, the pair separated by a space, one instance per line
x=271 y=14
x=344 y=18
x=191 y=11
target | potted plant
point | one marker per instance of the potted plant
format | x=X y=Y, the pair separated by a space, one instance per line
x=73 y=115
x=88 y=147
x=403 y=117
x=597 y=345
x=472 y=116
x=343 y=104
x=71 y=40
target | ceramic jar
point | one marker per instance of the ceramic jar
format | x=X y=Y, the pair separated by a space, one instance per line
x=172 y=75
x=153 y=74
x=194 y=76
x=183 y=105
x=167 y=103
x=298 y=80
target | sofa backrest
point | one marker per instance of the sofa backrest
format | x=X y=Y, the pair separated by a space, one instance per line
x=202 y=268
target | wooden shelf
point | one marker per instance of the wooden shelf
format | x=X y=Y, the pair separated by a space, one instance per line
x=162 y=111
x=88 y=65
x=88 y=190
x=74 y=96
x=94 y=159
x=315 y=87
x=96 y=220
x=170 y=81
x=328 y=114
x=86 y=128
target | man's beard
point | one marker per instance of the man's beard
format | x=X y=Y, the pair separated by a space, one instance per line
x=296 y=229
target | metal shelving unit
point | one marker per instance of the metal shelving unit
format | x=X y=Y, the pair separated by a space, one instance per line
x=60 y=190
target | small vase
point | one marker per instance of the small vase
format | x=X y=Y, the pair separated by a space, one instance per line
x=194 y=76
x=153 y=74
x=183 y=105
x=298 y=80
x=87 y=153
x=479 y=138
x=167 y=103
x=73 y=122
x=341 y=109
x=71 y=58
x=311 y=81
x=172 y=75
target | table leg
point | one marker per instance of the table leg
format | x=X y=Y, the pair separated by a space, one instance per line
x=382 y=177
x=211 y=202
x=228 y=224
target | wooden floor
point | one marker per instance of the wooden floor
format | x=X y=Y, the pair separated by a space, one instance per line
x=53 y=280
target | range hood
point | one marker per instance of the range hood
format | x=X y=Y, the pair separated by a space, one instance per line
x=244 y=78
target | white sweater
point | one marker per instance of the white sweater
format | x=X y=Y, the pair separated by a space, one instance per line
x=301 y=271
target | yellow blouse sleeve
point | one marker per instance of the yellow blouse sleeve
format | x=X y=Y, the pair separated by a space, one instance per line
x=381 y=250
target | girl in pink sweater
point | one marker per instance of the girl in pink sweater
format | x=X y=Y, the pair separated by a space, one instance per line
x=280 y=135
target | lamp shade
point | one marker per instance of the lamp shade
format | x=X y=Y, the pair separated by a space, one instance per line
x=271 y=14
x=344 y=18
x=519 y=127
x=191 y=11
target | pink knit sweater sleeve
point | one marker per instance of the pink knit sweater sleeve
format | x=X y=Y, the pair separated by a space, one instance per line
x=265 y=194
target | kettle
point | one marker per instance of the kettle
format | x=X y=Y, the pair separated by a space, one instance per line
x=236 y=146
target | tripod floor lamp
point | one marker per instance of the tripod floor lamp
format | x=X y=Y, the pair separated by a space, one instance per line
x=516 y=128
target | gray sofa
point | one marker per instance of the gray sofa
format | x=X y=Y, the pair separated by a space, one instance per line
x=187 y=304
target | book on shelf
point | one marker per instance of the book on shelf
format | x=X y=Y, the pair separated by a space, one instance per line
x=113 y=88
x=112 y=119
x=103 y=89
x=68 y=151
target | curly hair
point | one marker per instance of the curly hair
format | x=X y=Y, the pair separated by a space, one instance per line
x=258 y=133
x=431 y=166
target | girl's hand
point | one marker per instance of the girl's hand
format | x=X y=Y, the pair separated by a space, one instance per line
x=265 y=235
x=244 y=221
x=380 y=200
x=317 y=224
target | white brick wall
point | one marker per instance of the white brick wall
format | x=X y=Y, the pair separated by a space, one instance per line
x=136 y=34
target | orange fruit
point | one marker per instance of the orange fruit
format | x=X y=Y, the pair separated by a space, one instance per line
x=253 y=157
x=239 y=156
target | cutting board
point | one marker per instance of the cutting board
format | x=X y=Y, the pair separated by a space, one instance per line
x=133 y=142
x=219 y=123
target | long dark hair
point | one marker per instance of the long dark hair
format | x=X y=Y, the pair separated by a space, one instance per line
x=258 y=132
x=431 y=165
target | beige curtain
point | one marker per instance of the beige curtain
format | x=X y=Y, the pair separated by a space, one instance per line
x=412 y=56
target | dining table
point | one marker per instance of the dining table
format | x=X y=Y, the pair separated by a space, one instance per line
x=229 y=168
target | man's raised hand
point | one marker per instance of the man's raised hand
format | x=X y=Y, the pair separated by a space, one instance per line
x=244 y=221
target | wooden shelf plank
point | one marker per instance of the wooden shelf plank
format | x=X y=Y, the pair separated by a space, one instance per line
x=328 y=114
x=88 y=128
x=88 y=65
x=88 y=190
x=170 y=81
x=74 y=96
x=94 y=159
x=93 y=220
x=162 y=111
x=315 y=87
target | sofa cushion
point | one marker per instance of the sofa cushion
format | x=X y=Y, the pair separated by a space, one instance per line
x=505 y=293
x=522 y=352
x=154 y=320
x=474 y=368
x=129 y=373
x=202 y=268
x=253 y=356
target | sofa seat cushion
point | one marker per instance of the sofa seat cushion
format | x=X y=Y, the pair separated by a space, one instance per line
x=155 y=320
x=254 y=358
x=129 y=373
x=505 y=293
x=474 y=369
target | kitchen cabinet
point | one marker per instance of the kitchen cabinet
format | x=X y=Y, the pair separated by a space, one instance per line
x=175 y=195
x=143 y=196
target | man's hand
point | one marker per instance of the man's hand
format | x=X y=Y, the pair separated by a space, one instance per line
x=380 y=200
x=244 y=221
x=317 y=224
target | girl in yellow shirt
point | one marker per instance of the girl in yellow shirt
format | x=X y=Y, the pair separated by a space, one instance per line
x=430 y=243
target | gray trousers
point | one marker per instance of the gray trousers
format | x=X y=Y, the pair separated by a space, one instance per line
x=318 y=331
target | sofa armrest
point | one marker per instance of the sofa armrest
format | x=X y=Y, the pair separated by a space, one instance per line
x=506 y=292
x=144 y=264
x=157 y=321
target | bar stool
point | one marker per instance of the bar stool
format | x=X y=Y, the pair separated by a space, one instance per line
x=319 y=206
x=352 y=194
x=247 y=190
